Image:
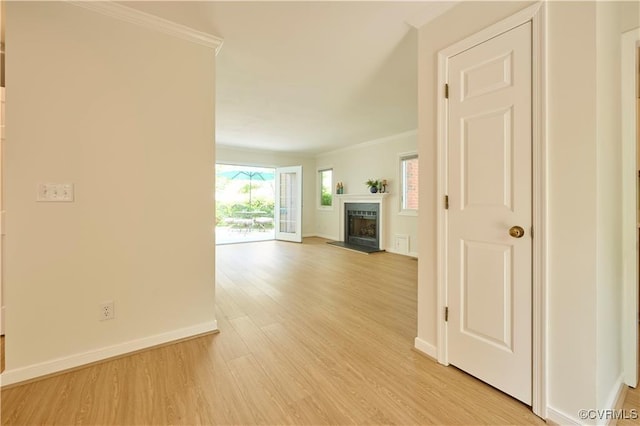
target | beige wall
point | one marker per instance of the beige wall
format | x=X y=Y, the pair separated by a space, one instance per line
x=584 y=292
x=585 y=281
x=612 y=19
x=251 y=157
x=127 y=115
x=355 y=165
x=572 y=206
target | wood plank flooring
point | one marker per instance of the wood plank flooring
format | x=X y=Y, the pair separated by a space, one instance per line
x=309 y=334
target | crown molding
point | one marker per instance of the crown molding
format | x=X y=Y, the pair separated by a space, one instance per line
x=142 y=19
x=369 y=143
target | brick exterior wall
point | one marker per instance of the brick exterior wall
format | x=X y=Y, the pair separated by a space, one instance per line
x=411 y=201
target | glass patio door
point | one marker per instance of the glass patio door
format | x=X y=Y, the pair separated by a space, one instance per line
x=288 y=211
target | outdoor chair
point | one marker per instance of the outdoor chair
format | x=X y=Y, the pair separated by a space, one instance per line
x=262 y=223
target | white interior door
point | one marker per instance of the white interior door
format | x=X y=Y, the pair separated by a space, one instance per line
x=489 y=281
x=288 y=218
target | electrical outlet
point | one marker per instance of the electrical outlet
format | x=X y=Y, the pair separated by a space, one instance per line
x=106 y=311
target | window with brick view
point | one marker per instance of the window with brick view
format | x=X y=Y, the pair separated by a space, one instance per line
x=409 y=167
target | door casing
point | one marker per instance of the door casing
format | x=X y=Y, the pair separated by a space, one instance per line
x=630 y=43
x=536 y=15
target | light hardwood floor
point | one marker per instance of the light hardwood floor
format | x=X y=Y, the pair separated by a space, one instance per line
x=309 y=334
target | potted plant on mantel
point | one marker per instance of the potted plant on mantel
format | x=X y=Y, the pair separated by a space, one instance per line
x=373 y=185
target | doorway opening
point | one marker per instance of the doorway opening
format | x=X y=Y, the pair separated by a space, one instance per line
x=245 y=203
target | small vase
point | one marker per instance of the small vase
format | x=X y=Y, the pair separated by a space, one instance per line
x=373 y=189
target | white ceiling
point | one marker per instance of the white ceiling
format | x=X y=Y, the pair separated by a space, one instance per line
x=309 y=77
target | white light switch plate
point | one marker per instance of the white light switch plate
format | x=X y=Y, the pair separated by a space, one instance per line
x=52 y=192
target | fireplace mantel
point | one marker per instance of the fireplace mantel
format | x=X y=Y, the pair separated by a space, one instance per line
x=365 y=198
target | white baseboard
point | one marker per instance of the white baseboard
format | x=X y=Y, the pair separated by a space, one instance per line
x=557 y=417
x=410 y=254
x=426 y=348
x=17 y=375
x=615 y=401
x=325 y=236
x=616 y=398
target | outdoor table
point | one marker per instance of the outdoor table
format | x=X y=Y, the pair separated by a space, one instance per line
x=251 y=213
x=247 y=219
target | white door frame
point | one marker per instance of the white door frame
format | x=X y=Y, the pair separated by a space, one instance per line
x=630 y=43
x=536 y=14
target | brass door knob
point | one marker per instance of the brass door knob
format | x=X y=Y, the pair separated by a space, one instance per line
x=516 y=231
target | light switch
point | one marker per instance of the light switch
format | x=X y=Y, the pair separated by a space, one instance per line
x=55 y=192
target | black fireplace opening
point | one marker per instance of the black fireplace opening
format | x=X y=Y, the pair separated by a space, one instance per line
x=362 y=227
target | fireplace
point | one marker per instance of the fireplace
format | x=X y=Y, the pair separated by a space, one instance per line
x=361 y=224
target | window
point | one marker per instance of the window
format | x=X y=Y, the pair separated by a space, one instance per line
x=326 y=187
x=409 y=179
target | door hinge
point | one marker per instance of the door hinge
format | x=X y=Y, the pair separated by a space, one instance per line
x=446 y=202
x=446 y=313
x=446 y=91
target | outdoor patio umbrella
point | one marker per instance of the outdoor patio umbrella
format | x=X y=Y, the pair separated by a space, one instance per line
x=247 y=175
